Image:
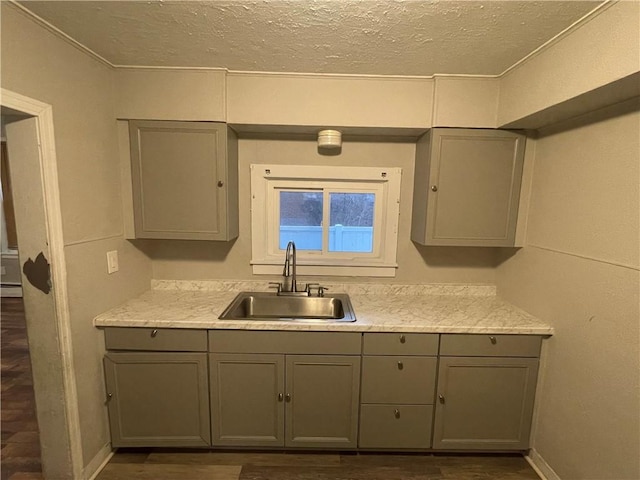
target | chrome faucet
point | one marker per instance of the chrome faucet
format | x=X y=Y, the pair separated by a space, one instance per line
x=289 y=283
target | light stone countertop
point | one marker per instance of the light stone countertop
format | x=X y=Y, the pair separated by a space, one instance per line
x=378 y=308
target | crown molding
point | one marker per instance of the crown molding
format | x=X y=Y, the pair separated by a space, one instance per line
x=57 y=32
x=564 y=33
x=548 y=44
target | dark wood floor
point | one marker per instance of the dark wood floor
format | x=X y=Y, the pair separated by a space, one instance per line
x=20 y=454
x=163 y=464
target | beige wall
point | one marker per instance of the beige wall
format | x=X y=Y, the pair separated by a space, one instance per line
x=465 y=102
x=171 y=94
x=329 y=100
x=580 y=272
x=604 y=49
x=40 y=65
x=417 y=264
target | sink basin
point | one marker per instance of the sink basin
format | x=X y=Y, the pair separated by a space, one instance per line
x=270 y=306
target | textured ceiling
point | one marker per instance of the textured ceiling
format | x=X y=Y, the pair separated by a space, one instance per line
x=410 y=37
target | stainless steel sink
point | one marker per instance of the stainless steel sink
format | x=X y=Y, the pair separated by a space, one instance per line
x=271 y=306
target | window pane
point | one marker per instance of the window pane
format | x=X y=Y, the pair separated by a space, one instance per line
x=351 y=222
x=301 y=219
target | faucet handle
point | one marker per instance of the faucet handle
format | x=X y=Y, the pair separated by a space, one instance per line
x=309 y=286
x=276 y=285
x=320 y=288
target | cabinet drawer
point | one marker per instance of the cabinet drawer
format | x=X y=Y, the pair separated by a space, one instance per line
x=400 y=344
x=396 y=426
x=319 y=343
x=157 y=339
x=398 y=379
x=490 y=345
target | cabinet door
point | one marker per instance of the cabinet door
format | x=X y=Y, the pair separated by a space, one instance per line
x=484 y=403
x=182 y=180
x=322 y=401
x=158 y=399
x=247 y=399
x=471 y=185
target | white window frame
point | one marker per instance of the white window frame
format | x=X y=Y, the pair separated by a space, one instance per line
x=268 y=180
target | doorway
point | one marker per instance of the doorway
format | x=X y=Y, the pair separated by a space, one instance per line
x=33 y=173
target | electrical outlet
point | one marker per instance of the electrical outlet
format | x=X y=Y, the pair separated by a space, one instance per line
x=112 y=261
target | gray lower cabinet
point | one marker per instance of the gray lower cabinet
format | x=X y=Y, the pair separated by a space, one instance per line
x=326 y=390
x=397 y=392
x=158 y=399
x=322 y=401
x=484 y=403
x=247 y=399
x=284 y=400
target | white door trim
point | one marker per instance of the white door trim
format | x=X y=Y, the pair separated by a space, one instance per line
x=49 y=174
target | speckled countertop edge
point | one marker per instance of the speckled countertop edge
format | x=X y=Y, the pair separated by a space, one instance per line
x=378 y=307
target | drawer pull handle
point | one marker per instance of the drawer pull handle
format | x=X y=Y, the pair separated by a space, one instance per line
x=403 y=339
x=396 y=413
x=287 y=397
x=400 y=365
x=493 y=340
x=154 y=333
x=441 y=398
x=280 y=397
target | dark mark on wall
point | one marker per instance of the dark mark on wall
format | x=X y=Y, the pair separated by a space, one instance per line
x=38 y=273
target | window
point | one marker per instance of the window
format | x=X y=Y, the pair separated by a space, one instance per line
x=343 y=220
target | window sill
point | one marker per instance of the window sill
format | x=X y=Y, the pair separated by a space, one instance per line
x=310 y=270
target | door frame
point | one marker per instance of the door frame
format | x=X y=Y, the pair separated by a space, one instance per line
x=43 y=114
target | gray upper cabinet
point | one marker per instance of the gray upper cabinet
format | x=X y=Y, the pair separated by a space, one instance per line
x=467 y=187
x=184 y=180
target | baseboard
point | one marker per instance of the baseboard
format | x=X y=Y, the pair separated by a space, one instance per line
x=11 y=291
x=542 y=468
x=95 y=466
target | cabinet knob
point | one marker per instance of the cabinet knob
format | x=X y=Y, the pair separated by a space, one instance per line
x=493 y=340
x=441 y=398
x=400 y=365
x=280 y=397
x=109 y=396
x=434 y=188
x=403 y=339
x=287 y=397
x=220 y=183
x=396 y=413
x=154 y=333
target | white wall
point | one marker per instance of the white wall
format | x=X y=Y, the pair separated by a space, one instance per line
x=579 y=271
